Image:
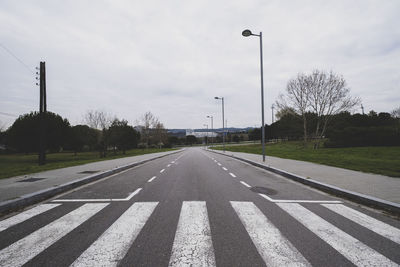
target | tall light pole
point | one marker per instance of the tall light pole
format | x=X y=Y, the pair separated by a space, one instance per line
x=223 y=128
x=247 y=33
x=212 y=129
x=206 y=125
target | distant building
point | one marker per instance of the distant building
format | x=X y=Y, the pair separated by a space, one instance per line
x=200 y=134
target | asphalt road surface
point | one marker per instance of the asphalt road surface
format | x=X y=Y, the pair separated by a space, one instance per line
x=198 y=208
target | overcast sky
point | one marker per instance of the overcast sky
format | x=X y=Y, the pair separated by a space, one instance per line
x=173 y=57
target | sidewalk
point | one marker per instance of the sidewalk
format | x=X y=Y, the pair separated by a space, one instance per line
x=14 y=187
x=375 y=185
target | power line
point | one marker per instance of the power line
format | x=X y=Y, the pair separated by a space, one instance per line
x=14 y=56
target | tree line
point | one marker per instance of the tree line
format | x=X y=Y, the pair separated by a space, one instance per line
x=345 y=129
x=101 y=132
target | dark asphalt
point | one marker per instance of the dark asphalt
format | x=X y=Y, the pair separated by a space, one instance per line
x=194 y=175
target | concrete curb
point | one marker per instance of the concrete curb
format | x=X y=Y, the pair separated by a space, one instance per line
x=32 y=198
x=370 y=201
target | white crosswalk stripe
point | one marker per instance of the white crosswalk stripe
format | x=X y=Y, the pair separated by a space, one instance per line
x=25 y=249
x=193 y=245
x=273 y=247
x=113 y=244
x=351 y=248
x=368 y=222
x=23 y=216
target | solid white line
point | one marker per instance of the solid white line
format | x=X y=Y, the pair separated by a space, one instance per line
x=23 y=216
x=351 y=248
x=168 y=165
x=151 y=179
x=219 y=164
x=113 y=244
x=299 y=201
x=27 y=248
x=245 y=184
x=193 y=245
x=129 y=197
x=273 y=247
x=100 y=199
x=225 y=169
x=162 y=170
x=232 y=174
x=368 y=222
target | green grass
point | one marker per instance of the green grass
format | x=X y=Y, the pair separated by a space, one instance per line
x=379 y=160
x=19 y=164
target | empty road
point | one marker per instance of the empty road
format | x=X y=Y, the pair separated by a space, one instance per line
x=198 y=208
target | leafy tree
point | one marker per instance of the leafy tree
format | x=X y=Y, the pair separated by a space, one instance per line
x=191 y=139
x=23 y=135
x=83 y=136
x=122 y=136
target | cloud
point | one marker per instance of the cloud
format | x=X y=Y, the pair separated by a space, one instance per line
x=173 y=57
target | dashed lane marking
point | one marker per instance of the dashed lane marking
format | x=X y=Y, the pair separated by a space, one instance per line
x=245 y=184
x=232 y=175
x=162 y=170
x=151 y=179
x=225 y=169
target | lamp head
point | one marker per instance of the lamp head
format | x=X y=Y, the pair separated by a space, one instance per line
x=246 y=33
x=216 y=97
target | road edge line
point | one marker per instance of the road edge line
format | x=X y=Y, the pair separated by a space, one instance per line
x=363 y=199
x=26 y=200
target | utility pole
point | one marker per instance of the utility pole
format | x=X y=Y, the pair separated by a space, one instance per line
x=362 y=108
x=42 y=114
x=272 y=108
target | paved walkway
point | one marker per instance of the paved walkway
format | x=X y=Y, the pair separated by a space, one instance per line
x=12 y=188
x=375 y=185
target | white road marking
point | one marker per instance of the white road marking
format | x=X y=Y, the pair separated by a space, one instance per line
x=111 y=247
x=245 y=184
x=273 y=247
x=232 y=174
x=215 y=161
x=219 y=164
x=101 y=199
x=193 y=245
x=351 y=248
x=299 y=201
x=168 y=165
x=151 y=179
x=368 y=222
x=162 y=170
x=27 y=248
x=172 y=162
x=23 y=216
x=225 y=169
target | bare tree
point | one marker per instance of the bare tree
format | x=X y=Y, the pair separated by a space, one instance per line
x=328 y=96
x=98 y=119
x=296 y=98
x=147 y=121
x=325 y=94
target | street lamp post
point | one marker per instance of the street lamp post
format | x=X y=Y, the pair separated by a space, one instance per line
x=247 y=33
x=212 y=130
x=223 y=128
x=206 y=134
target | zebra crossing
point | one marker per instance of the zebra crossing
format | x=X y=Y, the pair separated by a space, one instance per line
x=193 y=241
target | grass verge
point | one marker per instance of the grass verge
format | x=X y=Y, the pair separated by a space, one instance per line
x=19 y=164
x=378 y=160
